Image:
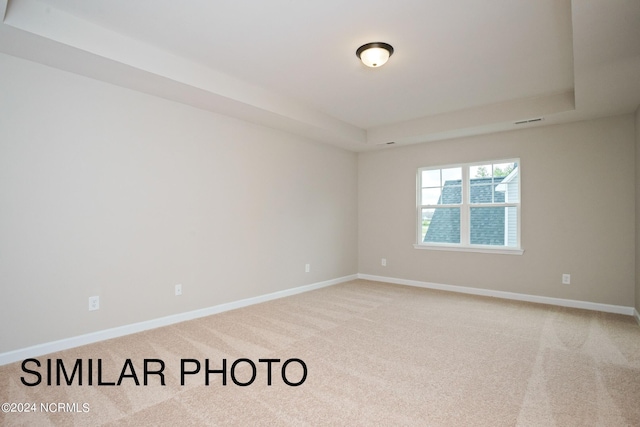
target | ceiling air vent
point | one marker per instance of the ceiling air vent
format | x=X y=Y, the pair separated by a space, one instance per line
x=521 y=122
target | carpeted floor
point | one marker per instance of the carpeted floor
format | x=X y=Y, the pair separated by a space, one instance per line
x=374 y=353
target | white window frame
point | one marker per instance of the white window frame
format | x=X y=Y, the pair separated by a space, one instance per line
x=465 y=212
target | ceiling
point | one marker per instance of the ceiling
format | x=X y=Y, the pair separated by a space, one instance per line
x=459 y=68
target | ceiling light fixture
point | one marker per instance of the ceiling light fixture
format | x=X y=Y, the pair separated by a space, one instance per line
x=374 y=54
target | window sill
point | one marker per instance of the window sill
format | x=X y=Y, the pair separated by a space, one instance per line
x=480 y=249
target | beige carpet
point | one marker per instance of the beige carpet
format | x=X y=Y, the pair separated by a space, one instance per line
x=376 y=354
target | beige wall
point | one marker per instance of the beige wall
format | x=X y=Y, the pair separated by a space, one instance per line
x=578 y=212
x=637 y=120
x=105 y=191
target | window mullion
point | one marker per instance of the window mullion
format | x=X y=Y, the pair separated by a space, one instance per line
x=464 y=208
x=419 y=207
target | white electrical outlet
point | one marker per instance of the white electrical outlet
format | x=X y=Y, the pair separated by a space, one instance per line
x=307 y=268
x=94 y=303
x=566 y=279
x=384 y=262
x=178 y=289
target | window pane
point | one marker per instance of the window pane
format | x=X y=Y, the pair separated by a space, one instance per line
x=480 y=171
x=431 y=178
x=481 y=191
x=511 y=226
x=441 y=186
x=441 y=225
x=503 y=169
x=510 y=187
x=431 y=196
x=487 y=226
x=452 y=174
x=451 y=194
x=425 y=221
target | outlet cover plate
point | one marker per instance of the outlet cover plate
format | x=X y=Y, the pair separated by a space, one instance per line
x=94 y=303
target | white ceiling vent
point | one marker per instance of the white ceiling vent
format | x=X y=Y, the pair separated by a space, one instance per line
x=537 y=119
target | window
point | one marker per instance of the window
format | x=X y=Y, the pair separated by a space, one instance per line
x=472 y=207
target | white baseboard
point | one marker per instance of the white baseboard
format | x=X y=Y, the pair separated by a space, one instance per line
x=67 y=343
x=618 y=309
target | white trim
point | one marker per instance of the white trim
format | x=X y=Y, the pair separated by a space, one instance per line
x=607 y=308
x=67 y=343
x=504 y=250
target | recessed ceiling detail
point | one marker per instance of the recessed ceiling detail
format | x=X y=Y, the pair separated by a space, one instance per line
x=457 y=74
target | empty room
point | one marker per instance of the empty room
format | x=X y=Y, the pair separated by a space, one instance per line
x=320 y=213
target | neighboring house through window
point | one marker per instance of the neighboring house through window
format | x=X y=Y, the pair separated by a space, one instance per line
x=470 y=207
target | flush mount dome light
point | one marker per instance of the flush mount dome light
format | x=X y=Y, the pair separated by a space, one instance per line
x=374 y=54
